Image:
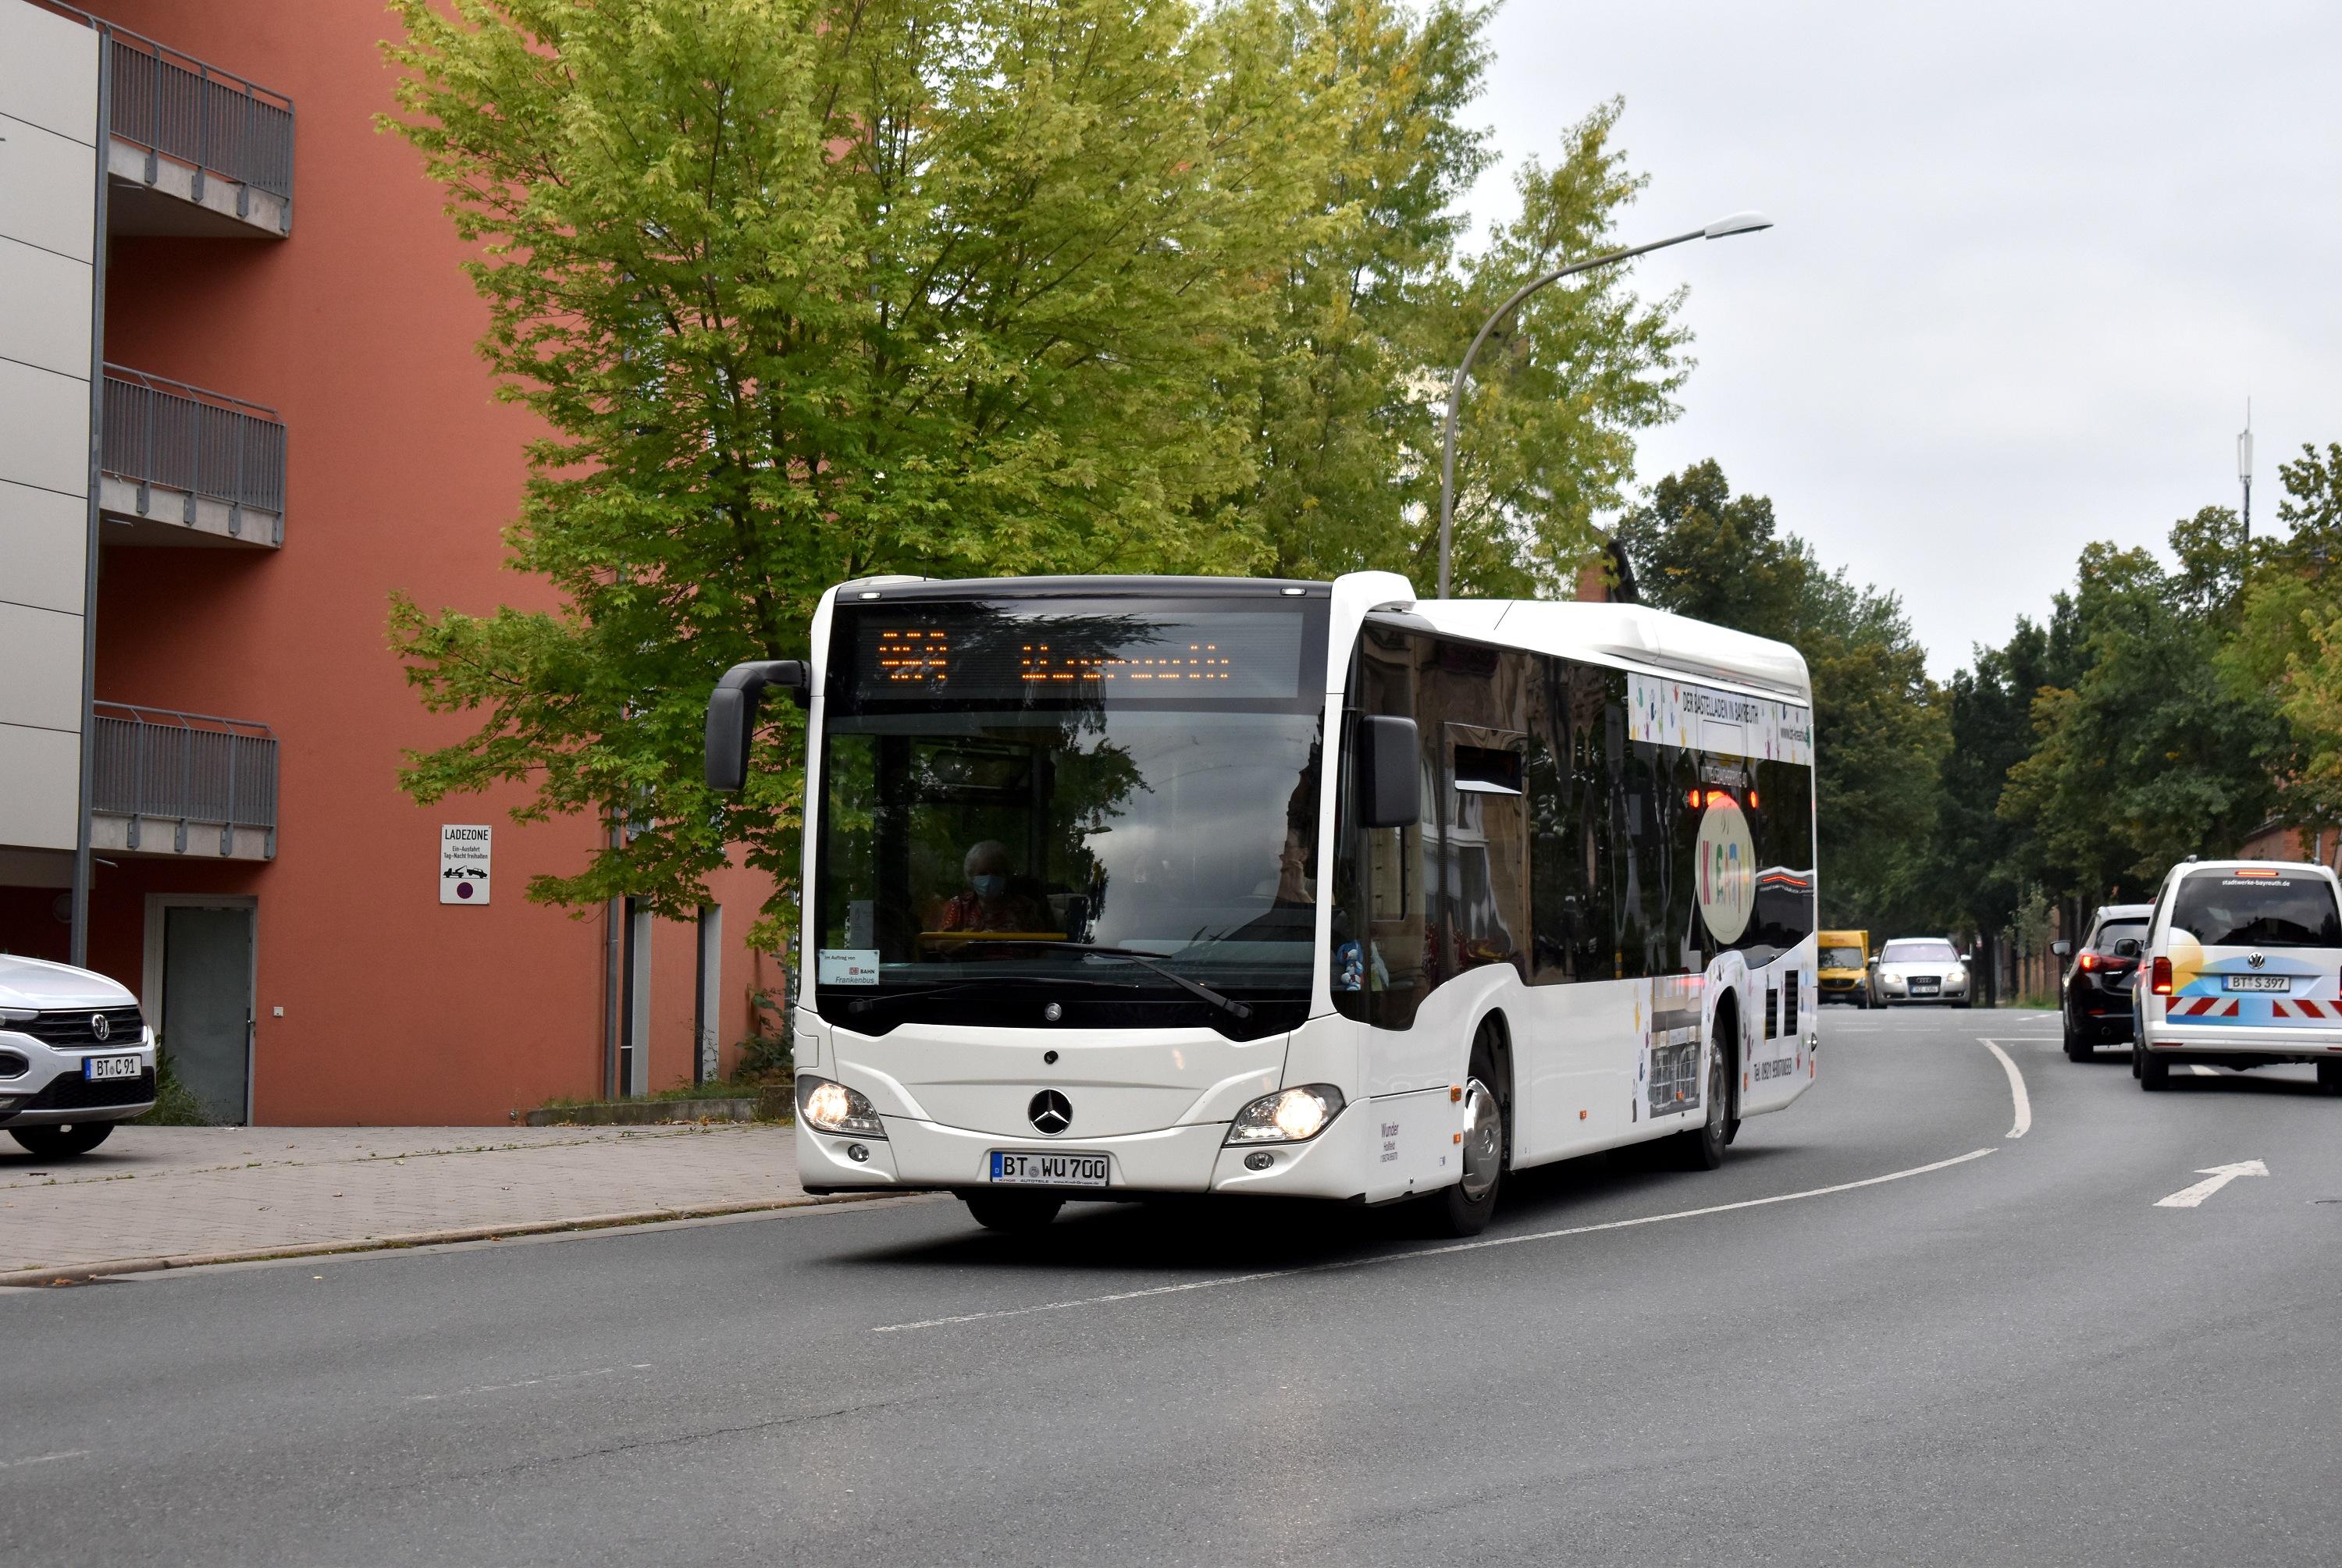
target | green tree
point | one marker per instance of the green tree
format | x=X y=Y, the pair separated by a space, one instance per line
x=1343 y=424
x=1976 y=857
x=2152 y=753
x=808 y=289
x=2289 y=637
x=1699 y=550
x=1545 y=437
x=1373 y=315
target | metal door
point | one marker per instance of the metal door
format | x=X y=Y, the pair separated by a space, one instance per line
x=207 y=1006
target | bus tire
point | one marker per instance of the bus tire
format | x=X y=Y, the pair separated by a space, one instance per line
x=1012 y=1214
x=2154 y=1071
x=2329 y=1076
x=1702 y=1148
x=1466 y=1208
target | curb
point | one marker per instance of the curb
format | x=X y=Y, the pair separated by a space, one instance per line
x=81 y=1274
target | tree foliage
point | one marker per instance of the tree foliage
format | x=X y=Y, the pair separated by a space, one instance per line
x=804 y=290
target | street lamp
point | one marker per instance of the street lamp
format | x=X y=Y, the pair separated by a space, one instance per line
x=1737 y=223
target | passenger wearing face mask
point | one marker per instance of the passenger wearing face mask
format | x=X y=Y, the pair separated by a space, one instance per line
x=991 y=903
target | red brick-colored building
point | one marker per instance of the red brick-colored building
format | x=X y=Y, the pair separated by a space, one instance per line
x=247 y=302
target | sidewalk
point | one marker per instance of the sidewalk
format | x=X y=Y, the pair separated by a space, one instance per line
x=166 y=1196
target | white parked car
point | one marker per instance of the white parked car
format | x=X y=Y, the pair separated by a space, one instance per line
x=74 y=1056
x=1922 y=969
x=2244 y=969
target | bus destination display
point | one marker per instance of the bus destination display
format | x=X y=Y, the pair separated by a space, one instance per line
x=980 y=654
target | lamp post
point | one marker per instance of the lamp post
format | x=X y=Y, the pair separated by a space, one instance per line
x=1739 y=223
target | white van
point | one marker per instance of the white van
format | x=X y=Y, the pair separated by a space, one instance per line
x=2243 y=961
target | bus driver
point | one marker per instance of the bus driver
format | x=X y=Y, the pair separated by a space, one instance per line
x=991 y=902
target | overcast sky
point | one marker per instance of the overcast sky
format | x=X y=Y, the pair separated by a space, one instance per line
x=2030 y=259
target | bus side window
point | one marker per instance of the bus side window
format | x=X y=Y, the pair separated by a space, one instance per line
x=1557 y=858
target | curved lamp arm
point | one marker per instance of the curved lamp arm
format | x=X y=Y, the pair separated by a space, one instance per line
x=1739 y=223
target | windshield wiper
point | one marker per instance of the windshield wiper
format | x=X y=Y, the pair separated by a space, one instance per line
x=1193 y=987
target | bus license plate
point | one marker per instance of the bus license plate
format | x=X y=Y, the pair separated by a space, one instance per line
x=99 y=1069
x=2256 y=981
x=1019 y=1170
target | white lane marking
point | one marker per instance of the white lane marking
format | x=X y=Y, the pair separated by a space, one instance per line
x=2201 y=1071
x=1425 y=1251
x=2218 y=1176
x=44 y=1459
x=553 y=1377
x=2015 y=1092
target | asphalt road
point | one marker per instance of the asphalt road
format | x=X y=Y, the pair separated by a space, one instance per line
x=2017 y=1357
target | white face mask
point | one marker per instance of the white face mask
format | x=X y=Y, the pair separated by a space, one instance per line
x=990 y=884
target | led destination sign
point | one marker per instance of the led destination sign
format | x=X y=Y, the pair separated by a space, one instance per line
x=978 y=654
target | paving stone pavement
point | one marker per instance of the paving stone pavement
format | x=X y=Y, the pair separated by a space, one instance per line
x=188 y=1191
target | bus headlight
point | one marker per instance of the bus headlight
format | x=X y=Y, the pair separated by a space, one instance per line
x=1288 y=1116
x=829 y=1107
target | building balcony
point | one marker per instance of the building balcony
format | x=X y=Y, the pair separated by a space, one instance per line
x=169 y=783
x=191 y=149
x=180 y=465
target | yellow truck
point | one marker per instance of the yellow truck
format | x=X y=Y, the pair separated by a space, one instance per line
x=1845 y=964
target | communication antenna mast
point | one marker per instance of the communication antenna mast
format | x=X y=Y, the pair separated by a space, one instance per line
x=2245 y=469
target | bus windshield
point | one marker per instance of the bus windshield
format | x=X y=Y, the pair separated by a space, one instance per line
x=1006 y=783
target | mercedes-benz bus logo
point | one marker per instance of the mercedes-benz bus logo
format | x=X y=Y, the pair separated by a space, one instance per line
x=1051 y=1112
x=100 y=1026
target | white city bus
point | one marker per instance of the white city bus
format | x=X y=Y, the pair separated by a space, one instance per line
x=1126 y=886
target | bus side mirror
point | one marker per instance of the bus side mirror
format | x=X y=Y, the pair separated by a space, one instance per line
x=1389 y=775
x=732 y=714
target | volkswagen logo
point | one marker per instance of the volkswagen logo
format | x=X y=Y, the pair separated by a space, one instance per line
x=100 y=1026
x=2256 y=960
x=1051 y=1112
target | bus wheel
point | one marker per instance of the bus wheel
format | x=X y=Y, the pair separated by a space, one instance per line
x=1702 y=1148
x=2330 y=1077
x=1463 y=1209
x=1013 y=1212
x=2154 y=1071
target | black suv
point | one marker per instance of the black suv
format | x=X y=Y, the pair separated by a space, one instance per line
x=2096 y=988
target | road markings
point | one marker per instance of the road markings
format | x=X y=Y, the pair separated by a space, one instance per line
x=44 y=1459
x=553 y=1377
x=2015 y=1092
x=2218 y=1176
x=1425 y=1252
x=2201 y=1071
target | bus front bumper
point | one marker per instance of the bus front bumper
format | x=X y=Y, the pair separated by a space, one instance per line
x=927 y=1156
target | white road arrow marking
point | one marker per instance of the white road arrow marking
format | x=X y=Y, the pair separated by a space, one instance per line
x=2221 y=1176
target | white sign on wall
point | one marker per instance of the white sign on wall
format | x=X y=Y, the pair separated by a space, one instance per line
x=464 y=863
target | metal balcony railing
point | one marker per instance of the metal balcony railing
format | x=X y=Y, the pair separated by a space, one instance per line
x=192 y=769
x=163 y=432
x=181 y=107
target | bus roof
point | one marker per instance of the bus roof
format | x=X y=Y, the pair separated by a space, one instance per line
x=1628 y=634
x=1631 y=635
